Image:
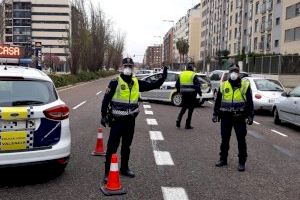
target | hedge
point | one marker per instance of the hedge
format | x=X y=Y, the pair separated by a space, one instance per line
x=70 y=79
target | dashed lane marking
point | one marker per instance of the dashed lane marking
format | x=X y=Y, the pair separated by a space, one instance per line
x=274 y=131
x=156 y=135
x=163 y=158
x=152 y=122
x=174 y=193
x=256 y=122
x=75 y=86
x=146 y=106
x=148 y=112
x=76 y=107
x=98 y=93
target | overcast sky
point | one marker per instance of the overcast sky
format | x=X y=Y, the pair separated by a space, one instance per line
x=141 y=20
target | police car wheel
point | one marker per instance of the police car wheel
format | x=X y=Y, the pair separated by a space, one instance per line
x=177 y=99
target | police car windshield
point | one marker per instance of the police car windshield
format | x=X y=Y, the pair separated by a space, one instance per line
x=22 y=93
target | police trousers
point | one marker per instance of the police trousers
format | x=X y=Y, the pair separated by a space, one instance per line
x=121 y=128
x=188 y=103
x=229 y=121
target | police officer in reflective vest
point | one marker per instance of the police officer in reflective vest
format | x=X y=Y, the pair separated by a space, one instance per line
x=234 y=107
x=189 y=86
x=121 y=103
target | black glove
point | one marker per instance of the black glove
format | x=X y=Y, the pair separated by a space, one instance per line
x=215 y=119
x=165 y=72
x=104 y=121
x=250 y=120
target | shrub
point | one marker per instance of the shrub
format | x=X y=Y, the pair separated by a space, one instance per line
x=70 y=79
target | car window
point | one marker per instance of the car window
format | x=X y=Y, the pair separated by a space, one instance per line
x=17 y=93
x=268 y=85
x=172 y=77
x=215 y=76
x=204 y=77
x=295 y=92
x=153 y=78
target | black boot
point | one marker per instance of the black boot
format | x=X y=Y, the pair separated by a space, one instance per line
x=178 y=124
x=105 y=179
x=188 y=127
x=127 y=173
x=221 y=163
x=241 y=167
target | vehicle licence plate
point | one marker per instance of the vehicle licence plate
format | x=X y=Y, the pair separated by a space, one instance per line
x=17 y=125
x=14 y=140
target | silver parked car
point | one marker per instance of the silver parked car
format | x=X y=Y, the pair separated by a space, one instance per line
x=265 y=92
x=143 y=73
x=168 y=92
x=287 y=107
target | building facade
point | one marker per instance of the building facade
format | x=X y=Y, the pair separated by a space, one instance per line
x=290 y=35
x=154 y=56
x=168 y=47
x=44 y=21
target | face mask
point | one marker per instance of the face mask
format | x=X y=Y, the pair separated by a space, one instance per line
x=127 y=71
x=234 y=76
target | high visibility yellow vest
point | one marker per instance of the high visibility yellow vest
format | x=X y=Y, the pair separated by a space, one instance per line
x=233 y=100
x=186 y=80
x=125 y=100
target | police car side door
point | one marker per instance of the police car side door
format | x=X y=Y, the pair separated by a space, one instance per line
x=168 y=88
x=152 y=94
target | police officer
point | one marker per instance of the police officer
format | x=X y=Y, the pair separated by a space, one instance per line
x=234 y=107
x=189 y=86
x=121 y=104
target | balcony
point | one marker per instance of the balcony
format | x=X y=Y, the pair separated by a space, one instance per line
x=263 y=9
x=269 y=26
x=249 y=31
x=239 y=20
x=270 y=5
x=250 y=15
x=262 y=28
x=261 y=46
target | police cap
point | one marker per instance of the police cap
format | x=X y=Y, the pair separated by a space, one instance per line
x=234 y=68
x=190 y=65
x=128 y=62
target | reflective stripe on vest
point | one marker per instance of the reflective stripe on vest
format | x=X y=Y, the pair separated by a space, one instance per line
x=233 y=100
x=186 y=80
x=125 y=101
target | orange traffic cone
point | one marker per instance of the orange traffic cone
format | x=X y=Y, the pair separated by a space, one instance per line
x=113 y=186
x=99 y=150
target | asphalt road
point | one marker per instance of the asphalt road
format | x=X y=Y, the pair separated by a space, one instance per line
x=168 y=162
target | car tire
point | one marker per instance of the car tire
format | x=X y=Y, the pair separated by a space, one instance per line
x=276 y=117
x=177 y=99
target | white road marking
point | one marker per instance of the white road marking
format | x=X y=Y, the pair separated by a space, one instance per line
x=98 y=93
x=279 y=133
x=256 y=122
x=163 y=158
x=152 y=122
x=76 y=107
x=148 y=112
x=174 y=193
x=147 y=106
x=210 y=102
x=156 y=135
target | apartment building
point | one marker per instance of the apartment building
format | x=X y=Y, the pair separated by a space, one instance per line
x=181 y=30
x=168 y=47
x=44 y=21
x=154 y=56
x=290 y=35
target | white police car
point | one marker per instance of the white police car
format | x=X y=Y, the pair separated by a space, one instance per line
x=34 y=121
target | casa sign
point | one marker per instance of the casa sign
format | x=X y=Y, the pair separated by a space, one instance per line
x=9 y=52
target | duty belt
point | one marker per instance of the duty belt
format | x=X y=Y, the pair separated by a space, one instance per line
x=121 y=113
x=233 y=110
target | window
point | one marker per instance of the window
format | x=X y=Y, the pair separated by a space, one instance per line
x=235 y=32
x=293 y=11
x=172 y=77
x=231 y=6
x=268 y=85
x=278 y=1
x=255 y=43
x=256 y=26
x=276 y=43
x=289 y=35
x=295 y=92
x=230 y=35
x=215 y=76
x=230 y=20
x=236 y=18
x=257 y=8
x=277 y=21
x=297 y=33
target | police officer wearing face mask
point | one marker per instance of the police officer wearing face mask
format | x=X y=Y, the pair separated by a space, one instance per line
x=189 y=86
x=234 y=107
x=121 y=103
